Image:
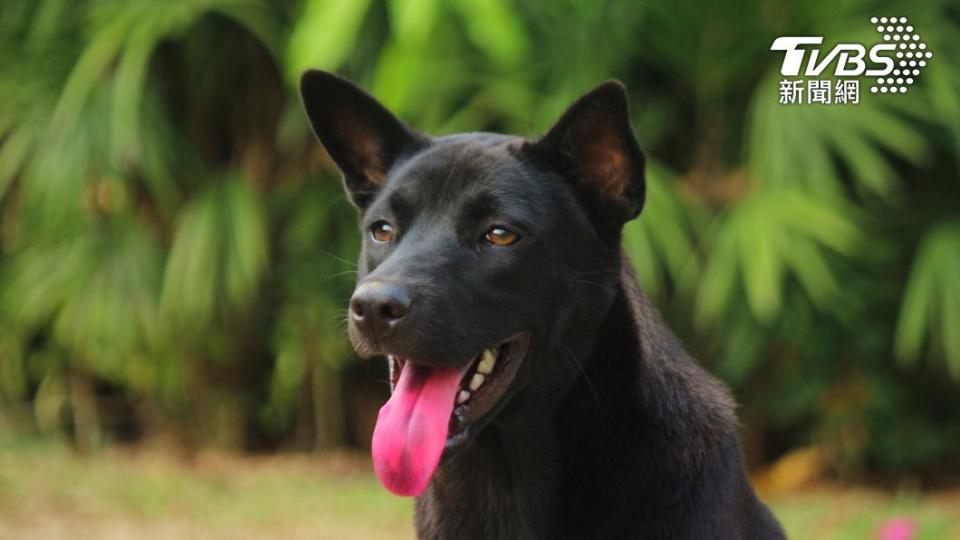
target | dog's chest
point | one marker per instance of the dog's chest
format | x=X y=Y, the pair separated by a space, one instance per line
x=491 y=494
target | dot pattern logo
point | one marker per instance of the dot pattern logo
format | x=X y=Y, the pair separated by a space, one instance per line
x=911 y=54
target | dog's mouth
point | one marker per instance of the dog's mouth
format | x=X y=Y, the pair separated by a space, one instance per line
x=433 y=407
x=486 y=379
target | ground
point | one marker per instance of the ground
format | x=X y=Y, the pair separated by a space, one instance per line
x=47 y=491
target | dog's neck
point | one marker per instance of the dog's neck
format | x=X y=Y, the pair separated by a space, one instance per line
x=502 y=486
x=505 y=484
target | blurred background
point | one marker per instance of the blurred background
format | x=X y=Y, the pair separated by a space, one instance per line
x=176 y=252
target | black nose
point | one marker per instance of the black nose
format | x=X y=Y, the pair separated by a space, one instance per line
x=378 y=307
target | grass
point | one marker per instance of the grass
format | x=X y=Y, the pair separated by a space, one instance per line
x=47 y=491
x=840 y=514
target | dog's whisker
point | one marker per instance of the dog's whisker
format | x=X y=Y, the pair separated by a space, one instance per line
x=337 y=317
x=586 y=377
x=343 y=273
x=340 y=259
x=593 y=283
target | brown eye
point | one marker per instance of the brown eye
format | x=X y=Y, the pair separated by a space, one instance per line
x=381 y=231
x=500 y=236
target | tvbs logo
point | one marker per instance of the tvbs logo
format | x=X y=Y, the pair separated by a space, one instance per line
x=849 y=58
x=891 y=66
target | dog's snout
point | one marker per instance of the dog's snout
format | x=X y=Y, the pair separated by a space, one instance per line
x=378 y=307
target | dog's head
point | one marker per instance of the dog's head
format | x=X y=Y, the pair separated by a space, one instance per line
x=482 y=255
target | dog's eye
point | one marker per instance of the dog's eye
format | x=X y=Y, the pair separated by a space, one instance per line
x=381 y=231
x=500 y=236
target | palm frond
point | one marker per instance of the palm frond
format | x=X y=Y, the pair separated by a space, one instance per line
x=217 y=259
x=930 y=309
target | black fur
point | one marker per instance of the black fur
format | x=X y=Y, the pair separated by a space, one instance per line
x=610 y=430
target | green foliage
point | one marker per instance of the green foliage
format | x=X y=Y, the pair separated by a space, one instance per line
x=931 y=301
x=165 y=233
x=771 y=232
x=661 y=244
x=217 y=257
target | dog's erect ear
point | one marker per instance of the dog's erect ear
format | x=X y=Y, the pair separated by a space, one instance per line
x=593 y=145
x=362 y=137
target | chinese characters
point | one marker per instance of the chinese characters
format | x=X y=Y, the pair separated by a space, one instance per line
x=820 y=91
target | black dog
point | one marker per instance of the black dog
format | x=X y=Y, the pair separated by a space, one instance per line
x=536 y=392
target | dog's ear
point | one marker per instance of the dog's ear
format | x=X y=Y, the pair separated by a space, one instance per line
x=593 y=146
x=363 y=138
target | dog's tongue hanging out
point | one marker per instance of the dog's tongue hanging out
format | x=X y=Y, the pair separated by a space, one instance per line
x=412 y=427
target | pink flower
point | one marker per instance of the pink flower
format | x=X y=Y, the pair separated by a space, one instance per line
x=897 y=529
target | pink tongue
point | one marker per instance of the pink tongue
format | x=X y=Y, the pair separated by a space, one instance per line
x=412 y=428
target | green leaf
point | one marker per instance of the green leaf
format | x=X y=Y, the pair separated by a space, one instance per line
x=324 y=35
x=89 y=68
x=761 y=239
x=660 y=242
x=218 y=257
x=14 y=151
x=719 y=276
x=412 y=20
x=495 y=28
x=930 y=309
x=111 y=321
x=758 y=241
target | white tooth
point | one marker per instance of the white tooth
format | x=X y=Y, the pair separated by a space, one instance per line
x=487 y=362
x=476 y=381
x=463 y=396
